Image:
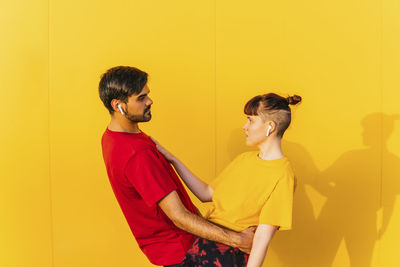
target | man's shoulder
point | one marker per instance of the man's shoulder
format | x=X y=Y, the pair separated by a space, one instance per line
x=125 y=146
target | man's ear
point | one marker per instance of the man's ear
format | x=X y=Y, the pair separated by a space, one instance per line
x=118 y=106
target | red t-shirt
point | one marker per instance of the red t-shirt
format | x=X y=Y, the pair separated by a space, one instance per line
x=140 y=176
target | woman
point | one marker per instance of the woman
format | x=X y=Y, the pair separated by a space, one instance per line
x=256 y=189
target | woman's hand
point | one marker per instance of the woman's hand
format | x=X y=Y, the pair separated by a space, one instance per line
x=168 y=156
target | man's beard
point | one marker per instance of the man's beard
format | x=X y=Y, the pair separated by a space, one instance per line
x=146 y=116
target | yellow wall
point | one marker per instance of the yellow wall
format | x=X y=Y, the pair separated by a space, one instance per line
x=205 y=60
x=25 y=206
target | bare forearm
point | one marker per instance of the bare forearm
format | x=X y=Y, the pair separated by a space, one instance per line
x=204 y=229
x=261 y=241
x=187 y=221
x=192 y=223
x=201 y=189
x=257 y=255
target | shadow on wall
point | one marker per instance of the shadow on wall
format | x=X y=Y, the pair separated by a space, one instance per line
x=350 y=193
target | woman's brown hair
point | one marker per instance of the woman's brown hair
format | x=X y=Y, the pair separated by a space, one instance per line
x=272 y=107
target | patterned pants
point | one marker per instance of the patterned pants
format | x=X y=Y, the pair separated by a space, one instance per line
x=205 y=253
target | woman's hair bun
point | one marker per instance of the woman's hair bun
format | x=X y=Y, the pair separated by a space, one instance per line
x=293 y=100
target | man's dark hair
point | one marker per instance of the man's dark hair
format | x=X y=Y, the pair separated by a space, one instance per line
x=120 y=83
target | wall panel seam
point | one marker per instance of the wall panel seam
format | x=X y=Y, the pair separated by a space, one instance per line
x=49 y=136
x=381 y=121
x=215 y=91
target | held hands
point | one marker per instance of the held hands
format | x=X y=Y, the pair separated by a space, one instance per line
x=247 y=236
x=168 y=156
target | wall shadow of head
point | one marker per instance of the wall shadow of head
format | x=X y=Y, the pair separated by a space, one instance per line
x=352 y=188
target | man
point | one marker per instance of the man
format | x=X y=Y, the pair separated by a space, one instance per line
x=155 y=204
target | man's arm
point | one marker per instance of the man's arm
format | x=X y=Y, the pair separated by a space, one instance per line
x=262 y=238
x=189 y=222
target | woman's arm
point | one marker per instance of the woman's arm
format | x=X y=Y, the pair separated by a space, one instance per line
x=201 y=189
x=262 y=238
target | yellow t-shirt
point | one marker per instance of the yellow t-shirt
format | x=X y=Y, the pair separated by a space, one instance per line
x=252 y=191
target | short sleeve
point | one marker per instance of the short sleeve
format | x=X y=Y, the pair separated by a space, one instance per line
x=147 y=174
x=278 y=208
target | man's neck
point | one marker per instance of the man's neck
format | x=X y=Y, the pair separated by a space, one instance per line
x=123 y=125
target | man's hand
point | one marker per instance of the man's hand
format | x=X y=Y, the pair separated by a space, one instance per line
x=167 y=155
x=247 y=236
x=192 y=223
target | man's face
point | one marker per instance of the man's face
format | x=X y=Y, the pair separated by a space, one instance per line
x=138 y=106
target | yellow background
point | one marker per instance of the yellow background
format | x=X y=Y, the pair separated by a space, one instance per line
x=205 y=60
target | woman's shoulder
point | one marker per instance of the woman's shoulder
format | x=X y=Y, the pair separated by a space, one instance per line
x=247 y=154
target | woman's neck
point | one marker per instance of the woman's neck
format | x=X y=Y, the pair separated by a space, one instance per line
x=271 y=149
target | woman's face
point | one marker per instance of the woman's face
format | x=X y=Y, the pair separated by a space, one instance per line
x=255 y=130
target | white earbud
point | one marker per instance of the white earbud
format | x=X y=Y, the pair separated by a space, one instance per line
x=269 y=129
x=120 y=109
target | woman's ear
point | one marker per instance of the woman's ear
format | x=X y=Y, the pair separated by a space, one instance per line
x=271 y=127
